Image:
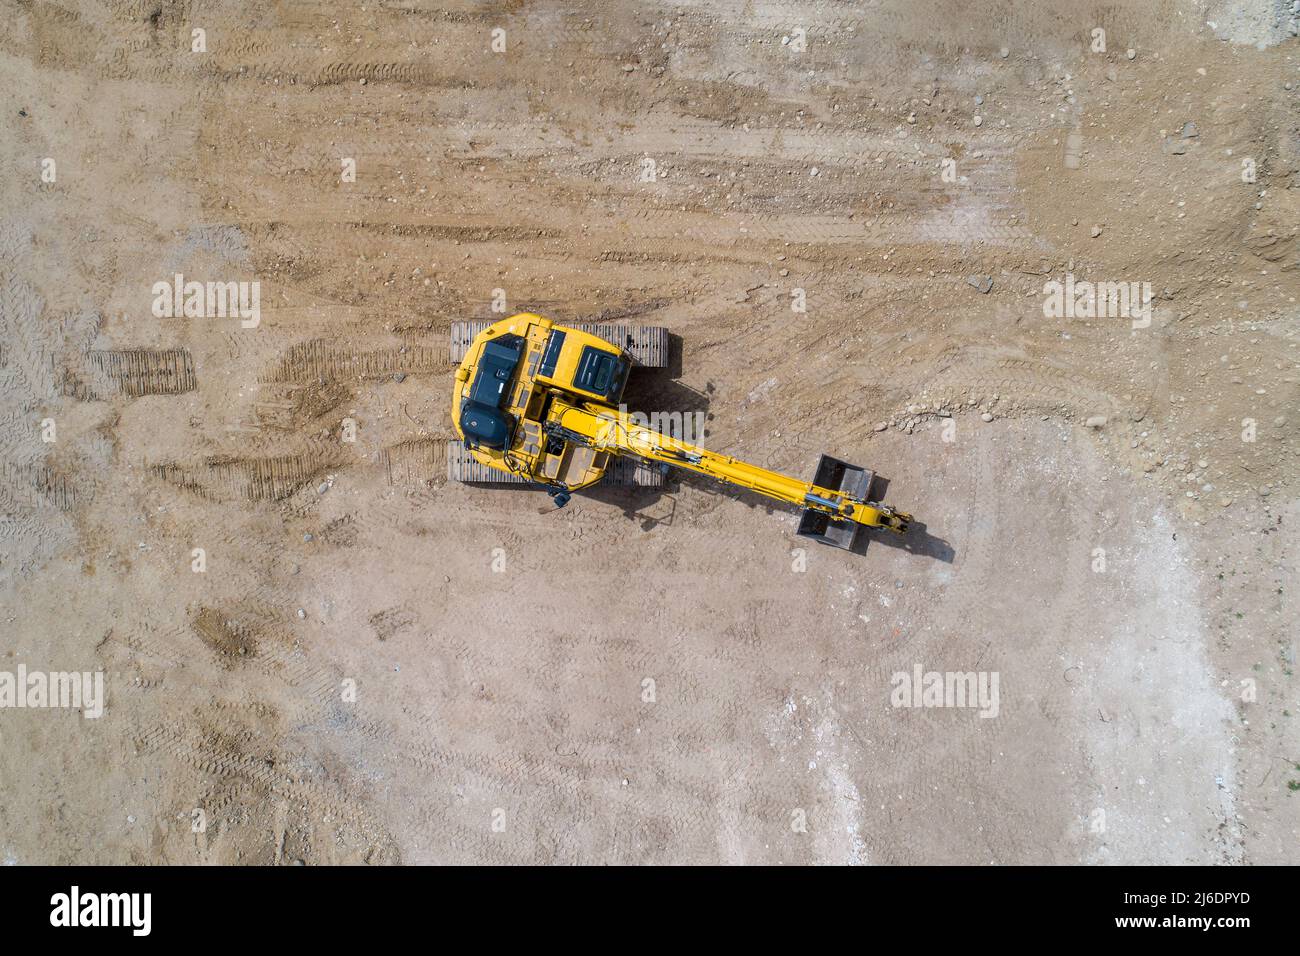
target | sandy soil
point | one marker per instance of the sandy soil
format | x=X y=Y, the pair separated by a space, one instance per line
x=377 y=666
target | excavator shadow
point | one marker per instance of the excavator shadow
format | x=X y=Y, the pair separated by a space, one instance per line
x=650 y=507
x=917 y=540
x=652 y=391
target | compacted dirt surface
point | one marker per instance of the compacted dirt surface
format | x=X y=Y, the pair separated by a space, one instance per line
x=317 y=650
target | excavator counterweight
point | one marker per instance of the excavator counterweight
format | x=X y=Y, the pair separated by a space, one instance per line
x=541 y=402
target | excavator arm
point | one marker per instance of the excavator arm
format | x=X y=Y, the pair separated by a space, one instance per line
x=612 y=433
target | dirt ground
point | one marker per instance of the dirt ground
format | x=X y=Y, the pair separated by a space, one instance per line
x=374 y=665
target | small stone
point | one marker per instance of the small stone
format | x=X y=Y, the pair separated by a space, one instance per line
x=363 y=81
x=1096 y=421
x=1202 y=464
x=785 y=272
x=979 y=101
x=1225 y=502
x=399 y=377
x=978 y=121
x=628 y=68
x=881 y=426
x=1096 y=231
x=306 y=537
x=1004 y=53
x=987 y=417
x=1189 y=130
x=1130 y=53
x=982 y=284
x=301 y=614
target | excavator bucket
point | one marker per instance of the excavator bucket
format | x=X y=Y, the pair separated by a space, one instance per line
x=838 y=476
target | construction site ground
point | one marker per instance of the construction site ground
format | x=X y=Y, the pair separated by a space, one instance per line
x=318 y=650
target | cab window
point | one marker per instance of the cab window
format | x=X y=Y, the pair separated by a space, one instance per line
x=601 y=373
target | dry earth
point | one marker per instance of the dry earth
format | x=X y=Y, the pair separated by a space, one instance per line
x=651 y=677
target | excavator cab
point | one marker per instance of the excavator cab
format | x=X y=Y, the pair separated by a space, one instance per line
x=584 y=364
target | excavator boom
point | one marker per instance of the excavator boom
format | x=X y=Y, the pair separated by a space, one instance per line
x=617 y=435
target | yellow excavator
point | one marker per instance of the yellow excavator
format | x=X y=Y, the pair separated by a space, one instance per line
x=541 y=402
